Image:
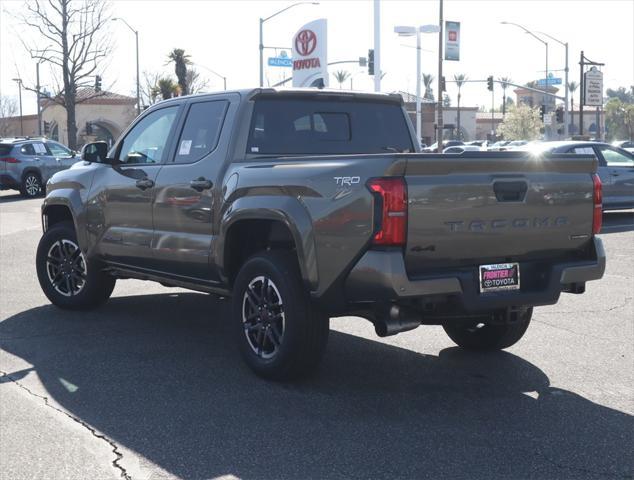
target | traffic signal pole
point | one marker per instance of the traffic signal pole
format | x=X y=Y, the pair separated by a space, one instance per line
x=377 y=45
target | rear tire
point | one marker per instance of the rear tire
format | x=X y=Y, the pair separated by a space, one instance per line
x=31 y=186
x=281 y=336
x=483 y=336
x=67 y=278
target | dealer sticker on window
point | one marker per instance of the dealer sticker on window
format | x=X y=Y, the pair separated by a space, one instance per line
x=499 y=276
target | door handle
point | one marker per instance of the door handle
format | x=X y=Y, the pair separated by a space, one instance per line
x=615 y=174
x=144 y=183
x=201 y=184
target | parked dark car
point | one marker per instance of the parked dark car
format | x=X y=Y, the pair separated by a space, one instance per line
x=624 y=144
x=616 y=168
x=303 y=205
x=26 y=164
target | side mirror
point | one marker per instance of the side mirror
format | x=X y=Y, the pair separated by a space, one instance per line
x=73 y=154
x=95 y=152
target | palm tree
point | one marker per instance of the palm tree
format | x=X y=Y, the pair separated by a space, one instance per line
x=572 y=87
x=428 y=79
x=166 y=88
x=460 y=79
x=181 y=60
x=505 y=84
x=341 y=76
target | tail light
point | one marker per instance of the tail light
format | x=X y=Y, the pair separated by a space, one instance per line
x=9 y=160
x=597 y=200
x=391 y=210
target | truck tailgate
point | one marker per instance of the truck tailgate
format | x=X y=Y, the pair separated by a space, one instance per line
x=485 y=207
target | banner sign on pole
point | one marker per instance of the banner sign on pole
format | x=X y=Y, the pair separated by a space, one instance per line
x=452 y=40
x=593 y=87
x=310 y=61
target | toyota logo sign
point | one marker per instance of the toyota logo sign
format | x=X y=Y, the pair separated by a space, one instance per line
x=305 y=42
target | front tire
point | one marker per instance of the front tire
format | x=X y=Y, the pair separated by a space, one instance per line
x=489 y=336
x=67 y=277
x=281 y=336
x=31 y=185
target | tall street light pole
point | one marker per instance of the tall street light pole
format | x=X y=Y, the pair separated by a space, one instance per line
x=224 y=79
x=408 y=31
x=38 y=96
x=138 y=78
x=566 y=112
x=542 y=41
x=440 y=122
x=19 y=82
x=262 y=20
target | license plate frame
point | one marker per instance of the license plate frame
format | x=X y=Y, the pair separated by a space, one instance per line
x=508 y=278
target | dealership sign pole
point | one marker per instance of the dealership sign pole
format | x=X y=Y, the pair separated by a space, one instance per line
x=310 y=55
x=591 y=86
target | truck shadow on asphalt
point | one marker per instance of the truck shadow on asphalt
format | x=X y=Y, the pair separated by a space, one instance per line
x=160 y=375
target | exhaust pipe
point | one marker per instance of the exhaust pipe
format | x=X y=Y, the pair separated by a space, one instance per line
x=397 y=320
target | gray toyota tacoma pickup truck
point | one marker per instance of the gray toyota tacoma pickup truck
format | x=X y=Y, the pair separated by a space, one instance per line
x=303 y=205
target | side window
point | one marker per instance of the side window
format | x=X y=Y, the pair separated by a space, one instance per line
x=583 y=151
x=27 y=149
x=58 y=150
x=201 y=131
x=146 y=142
x=615 y=158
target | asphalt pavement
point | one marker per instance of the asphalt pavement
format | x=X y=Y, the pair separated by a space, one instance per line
x=150 y=386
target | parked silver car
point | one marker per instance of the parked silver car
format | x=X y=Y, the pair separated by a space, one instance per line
x=26 y=164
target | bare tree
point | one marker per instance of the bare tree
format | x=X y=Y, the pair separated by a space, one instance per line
x=150 y=93
x=195 y=82
x=8 y=108
x=77 y=33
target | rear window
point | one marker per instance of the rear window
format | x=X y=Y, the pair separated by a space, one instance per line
x=306 y=126
x=5 y=148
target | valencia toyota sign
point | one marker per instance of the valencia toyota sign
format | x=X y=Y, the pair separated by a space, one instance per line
x=310 y=63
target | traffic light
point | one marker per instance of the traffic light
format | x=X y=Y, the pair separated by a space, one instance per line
x=443 y=87
x=559 y=114
x=490 y=83
x=542 y=112
x=88 y=128
x=47 y=127
x=371 y=61
x=97 y=83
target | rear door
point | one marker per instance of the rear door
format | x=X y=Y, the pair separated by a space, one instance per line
x=619 y=165
x=35 y=159
x=189 y=189
x=602 y=170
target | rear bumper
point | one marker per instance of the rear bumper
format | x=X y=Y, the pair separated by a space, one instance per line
x=7 y=181
x=380 y=276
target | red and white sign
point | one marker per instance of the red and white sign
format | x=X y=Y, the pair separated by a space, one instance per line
x=310 y=63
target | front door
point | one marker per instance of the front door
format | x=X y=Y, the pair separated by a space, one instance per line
x=63 y=156
x=188 y=190
x=620 y=167
x=122 y=194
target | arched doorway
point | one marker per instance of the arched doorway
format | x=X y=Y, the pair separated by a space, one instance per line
x=55 y=132
x=102 y=134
